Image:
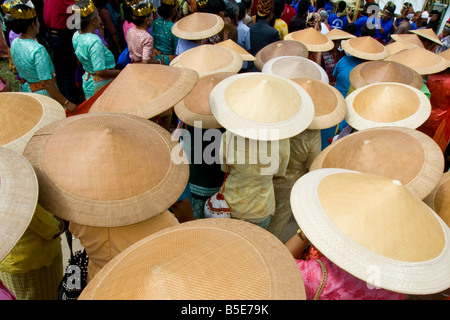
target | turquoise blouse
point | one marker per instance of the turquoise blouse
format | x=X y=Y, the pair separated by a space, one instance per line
x=163 y=38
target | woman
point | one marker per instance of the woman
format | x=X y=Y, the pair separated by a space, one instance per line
x=165 y=42
x=97 y=60
x=31 y=59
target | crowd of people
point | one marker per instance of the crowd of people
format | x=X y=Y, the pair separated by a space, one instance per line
x=72 y=52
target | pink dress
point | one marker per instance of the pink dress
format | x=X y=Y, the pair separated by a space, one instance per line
x=5 y=293
x=140 y=44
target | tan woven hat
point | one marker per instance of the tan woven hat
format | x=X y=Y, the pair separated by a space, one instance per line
x=397 y=46
x=230 y=44
x=22 y=114
x=403 y=154
x=107 y=169
x=387 y=104
x=420 y=60
x=384 y=71
x=446 y=55
x=279 y=49
x=204 y=259
x=18 y=198
x=338 y=34
x=198 y=25
x=146 y=90
x=208 y=59
x=409 y=38
x=291 y=67
x=329 y=104
x=427 y=34
x=195 y=107
x=261 y=106
x=439 y=198
x=366 y=48
x=312 y=39
x=374 y=228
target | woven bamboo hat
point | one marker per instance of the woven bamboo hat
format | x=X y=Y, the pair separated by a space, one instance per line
x=230 y=44
x=420 y=60
x=387 y=104
x=403 y=154
x=366 y=48
x=374 y=228
x=291 y=67
x=397 y=46
x=439 y=198
x=312 y=39
x=261 y=106
x=146 y=90
x=208 y=59
x=446 y=55
x=338 y=34
x=195 y=107
x=329 y=104
x=410 y=38
x=198 y=25
x=230 y=259
x=18 y=198
x=384 y=71
x=279 y=49
x=427 y=34
x=22 y=114
x=107 y=169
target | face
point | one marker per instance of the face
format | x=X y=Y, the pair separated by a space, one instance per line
x=96 y=21
x=434 y=17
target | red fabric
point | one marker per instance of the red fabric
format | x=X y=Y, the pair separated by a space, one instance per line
x=288 y=13
x=55 y=13
x=86 y=106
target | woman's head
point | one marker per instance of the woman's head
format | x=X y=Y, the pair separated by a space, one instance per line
x=22 y=17
x=142 y=14
x=88 y=14
x=167 y=9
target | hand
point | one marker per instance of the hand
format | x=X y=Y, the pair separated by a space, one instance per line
x=71 y=106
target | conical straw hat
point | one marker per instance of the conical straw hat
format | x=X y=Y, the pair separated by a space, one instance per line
x=387 y=104
x=195 y=107
x=261 y=106
x=374 y=228
x=439 y=198
x=446 y=55
x=312 y=39
x=18 y=198
x=420 y=60
x=403 y=154
x=279 y=49
x=230 y=44
x=208 y=59
x=427 y=34
x=120 y=170
x=291 y=67
x=146 y=90
x=22 y=114
x=329 y=104
x=366 y=48
x=338 y=34
x=206 y=259
x=198 y=25
x=397 y=46
x=410 y=38
x=384 y=71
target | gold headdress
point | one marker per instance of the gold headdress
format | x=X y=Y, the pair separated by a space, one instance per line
x=143 y=9
x=23 y=13
x=130 y=3
x=170 y=2
x=7 y=5
x=85 y=11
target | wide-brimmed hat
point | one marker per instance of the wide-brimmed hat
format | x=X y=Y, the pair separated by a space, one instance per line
x=427 y=34
x=230 y=44
x=338 y=34
x=384 y=71
x=22 y=114
x=366 y=48
x=374 y=228
x=18 y=198
x=387 y=104
x=207 y=59
x=439 y=198
x=107 y=169
x=198 y=25
x=279 y=49
x=410 y=38
x=230 y=259
x=195 y=107
x=295 y=67
x=146 y=90
x=312 y=39
x=329 y=104
x=446 y=55
x=420 y=60
x=261 y=106
x=404 y=154
x=397 y=46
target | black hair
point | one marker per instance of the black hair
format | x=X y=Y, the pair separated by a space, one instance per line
x=342 y=5
x=127 y=13
x=100 y=3
x=247 y=3
x=213 y=6
x=84 y=21
x=320 y=4
x=366 y=31
x=278 y=8
x=367 y=6
x=242 y=11
x=351 y=28
x=20 y=25
x=140 y=20
x=303 y=7
x=164 y=10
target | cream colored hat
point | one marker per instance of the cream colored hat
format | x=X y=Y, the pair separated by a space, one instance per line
x=439 y=198
x=446 y=55
x=384 y=71
x=397 y=46
x=291 y=67
x=409 y=38
x=338 y=34
x=195 y=107
x=208 y=59
x=366 y=48
x=107 y=169
x=279 y=49
x=329 y=104
x=374 y=228
x=420 y=60
x=18 y=198
x=205 y=259
x=146 y=90
x=230 y=44
x=387 y=104
x=314 y=40
x=403 y=154
x=198 y=25
x=427 y=34
x=22 y=114
x=261 y=106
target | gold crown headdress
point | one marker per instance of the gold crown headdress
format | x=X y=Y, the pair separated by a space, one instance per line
x=143 y=9
x=7 y=5
x=85 y=11
x=170 y=2
x=23 y=13
x=202 y=3
x=130 y=3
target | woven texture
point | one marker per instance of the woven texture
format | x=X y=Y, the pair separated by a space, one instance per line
x=198 y=25
x=427 y=34
x=230 y=44
x=439 y=198
x=420 y=60
x=312 y=39
x=338 y=34
x=279 y=49
x=366 y=48
x=410 y=38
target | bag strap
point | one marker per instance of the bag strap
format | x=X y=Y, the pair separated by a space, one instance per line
x=69 y=242
x=322 y=282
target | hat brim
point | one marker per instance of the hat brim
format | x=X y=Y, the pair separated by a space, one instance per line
x=427 y=34
x=327 y=45
x=365 y=55
x=437 y=203
x=230 y=44
x=420 y=60
x=279 y=49
x=197 y=26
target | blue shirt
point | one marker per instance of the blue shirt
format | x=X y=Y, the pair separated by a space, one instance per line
x=360 y=22
x=388 y=27
x=336 y=22
x=342 y=73
x=243 y=38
